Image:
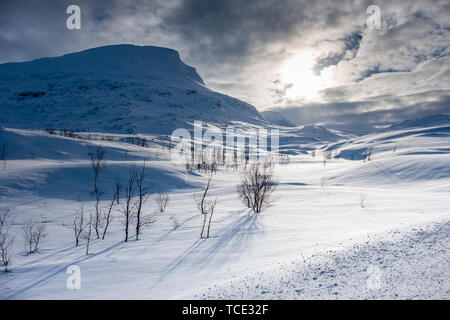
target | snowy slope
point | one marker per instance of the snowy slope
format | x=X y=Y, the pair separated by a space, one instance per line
x=318 y=208
x=412 y=267
x=404 y=156
x=118 y=89
x=358 y=197
x=430 y=121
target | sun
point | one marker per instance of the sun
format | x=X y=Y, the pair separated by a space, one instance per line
x=298 y=72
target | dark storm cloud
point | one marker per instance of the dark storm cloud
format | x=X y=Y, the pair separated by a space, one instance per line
x=35 y=28
x=351 y=117
x=350 y=45
x=228 y=35
x=32 y=29
x=236 y=27
x=239 y=47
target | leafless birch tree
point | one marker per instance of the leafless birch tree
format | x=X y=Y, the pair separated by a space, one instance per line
x=78 y=224
x=108 y=217
x=257 y=185
x=162 y=200
x=87 y=234
x=6 y=240
x=206 y=207
x=33 y=236
x=143 y=195
x=128 y=208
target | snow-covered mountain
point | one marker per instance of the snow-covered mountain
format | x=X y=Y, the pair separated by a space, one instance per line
x=120 y=89
x=344 y=204
x=429 y=121
x=277 y=118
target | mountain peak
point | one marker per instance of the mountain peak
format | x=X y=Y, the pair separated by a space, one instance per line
x=124 y=59
x=120 y=88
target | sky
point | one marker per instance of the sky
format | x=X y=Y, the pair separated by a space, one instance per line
x=317 y=62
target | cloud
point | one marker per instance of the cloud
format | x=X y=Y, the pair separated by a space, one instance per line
x=240 y=47
x=380 y=99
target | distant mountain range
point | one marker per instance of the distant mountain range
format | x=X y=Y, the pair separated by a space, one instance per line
x=429 y=121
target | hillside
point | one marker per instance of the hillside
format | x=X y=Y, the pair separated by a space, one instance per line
x=115 y=89
x=347 y=206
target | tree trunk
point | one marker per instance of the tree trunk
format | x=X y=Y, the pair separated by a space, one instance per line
x=203 y=227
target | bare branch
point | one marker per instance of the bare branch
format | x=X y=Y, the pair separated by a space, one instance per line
x=108 y=217
x=33 y=235
x=206 y=207
x=257 y=185
x=6 y=241
x=143 y=195
x=162 y=200
x=78 y=224
x=128 y=208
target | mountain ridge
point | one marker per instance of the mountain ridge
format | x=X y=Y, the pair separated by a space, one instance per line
x=117 y=89
x=113 y=59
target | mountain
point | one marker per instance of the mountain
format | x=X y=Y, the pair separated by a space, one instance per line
x=118 y=89
x=277 y=118
x=429 y=121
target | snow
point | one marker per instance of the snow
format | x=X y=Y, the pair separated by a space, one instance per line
x=412 y=267
x=317 y=210
x=349 y=227
x=113 y=89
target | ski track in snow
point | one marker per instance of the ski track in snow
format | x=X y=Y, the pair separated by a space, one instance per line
x=413 y=267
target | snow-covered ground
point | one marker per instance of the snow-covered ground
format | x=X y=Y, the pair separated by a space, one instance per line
x=412 y=267
x=364 y=211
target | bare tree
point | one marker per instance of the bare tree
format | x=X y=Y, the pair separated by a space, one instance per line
x=211 y=212
x=3 y=217
x=326 y=157
x=108 y=217
x=6 y=241
x=362 y=200
x=162 y=200
x=369 y=154
x=87 y=234
x=206 y=206
x=33 y=235
x=257 y=185
x=78 y=224
x=118 y=188
x=97 y=222
x=284 y=158
x=143 y=196
x=97 y=164
x=176 y=223
x=244 y=194
x=128 y=207
x=3 y=154
x=323 y=184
